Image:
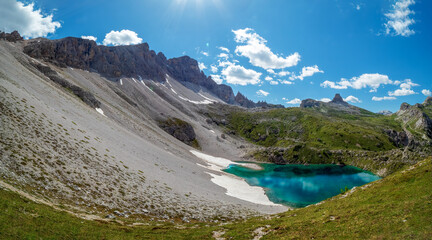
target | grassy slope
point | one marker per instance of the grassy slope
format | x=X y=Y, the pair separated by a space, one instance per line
x=399 y=206
x=328 y=130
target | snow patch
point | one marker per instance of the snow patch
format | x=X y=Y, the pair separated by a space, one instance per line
x=171 y=87
x=212 y=100
x=195 y=102
x=134 y=80
x=146 y=86
x=121 y=82
x=99 y=110
x=235 y=186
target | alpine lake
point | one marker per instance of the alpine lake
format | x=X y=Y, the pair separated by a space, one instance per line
x=302 y=185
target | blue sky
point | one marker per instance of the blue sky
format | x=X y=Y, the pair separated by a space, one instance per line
x=370 y=50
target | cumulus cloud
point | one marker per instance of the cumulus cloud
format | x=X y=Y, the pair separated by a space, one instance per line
x=202 y=66
x=236 y=74
x=405 y=89
x=283 y=73
x=213 y=68
x=372 y=81
x=254 y=47
x=223 y=55
x=295 y=101
x=268 y=78
x=27 y=20
x=224 y=49
x=89 y=38
x=217 y=78
x=308 y=72
x=123 y=37
x=274 y=82
x=285 y=82
x=352 y=99
x=383 y=98
x=262 y=93
x=426 y=92
x=399 y=18
x=325 y=99
x=271 y=71
x=205 y=53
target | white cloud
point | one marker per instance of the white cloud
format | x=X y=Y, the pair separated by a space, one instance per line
x=373 y=81
x=268 y=78
x=89 y=38
x=223 y=55
x=274 y=82
x=217 y=78
x=224 y=49
x=358 y=7
x=352 y=99
x=236 y=74
x=213 y=68
x=262 y=93
x=283 y=73
x=325 y=99
x=202 y=66
x=308 y=72
x=426 y=92
x=402 y=92
x=271 y=71
x=258 y=53
x=224 y=63
x=295 y=101
x=399 y=18
x=383 y=98
x=123 y=37
x=405 y=89
x=205 y=53
x=27 y=20
x=285 y=82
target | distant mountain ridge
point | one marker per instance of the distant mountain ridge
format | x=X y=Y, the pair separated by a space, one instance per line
x=133 y=61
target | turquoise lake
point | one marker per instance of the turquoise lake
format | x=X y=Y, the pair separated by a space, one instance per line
x=302 y=185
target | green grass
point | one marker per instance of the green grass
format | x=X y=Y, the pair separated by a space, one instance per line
x=396 y=207
x=285 y=127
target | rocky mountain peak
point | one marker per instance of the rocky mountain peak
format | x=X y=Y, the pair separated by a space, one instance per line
x=338 y=99
x=11 y=37
x=428 y=101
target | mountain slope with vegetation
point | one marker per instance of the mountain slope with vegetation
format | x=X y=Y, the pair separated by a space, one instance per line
x=334 y=132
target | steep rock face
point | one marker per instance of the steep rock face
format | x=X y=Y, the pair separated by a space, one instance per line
x=136 y=61
x=416 y=118
x=244 y=101
x=112 y=62
x=185 y=69
x=339 y=100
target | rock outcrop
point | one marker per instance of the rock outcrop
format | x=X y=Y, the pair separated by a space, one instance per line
x=181 y=130
x=337 y=104
x=310 y=103
x=416 y=117
x=339 y=100
x=11 y=37
x=243 y=101
x=85 y=96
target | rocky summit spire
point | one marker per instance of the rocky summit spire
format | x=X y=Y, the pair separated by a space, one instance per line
x=338 y=99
